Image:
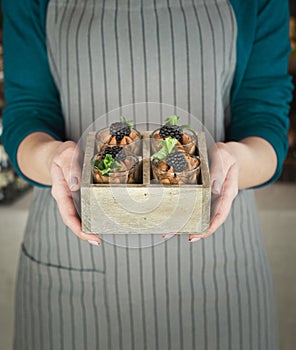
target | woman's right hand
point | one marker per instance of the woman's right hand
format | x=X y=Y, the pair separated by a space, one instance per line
x=65 y=170
x=58 y=164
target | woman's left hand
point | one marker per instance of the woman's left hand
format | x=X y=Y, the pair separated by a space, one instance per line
x=236 y=165
x=224 y=175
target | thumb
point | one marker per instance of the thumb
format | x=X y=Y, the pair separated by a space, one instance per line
x=216 y=186
x=74 y=176
x=74 y=183
x=69 y=161
x=217 y=170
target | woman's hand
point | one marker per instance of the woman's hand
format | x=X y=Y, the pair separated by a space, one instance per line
x=56 y=163
x=224 y=175
x=234 y=166
x=65 y=170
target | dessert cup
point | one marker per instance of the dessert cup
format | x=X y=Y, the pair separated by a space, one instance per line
x=127 y=173
x=164 y=174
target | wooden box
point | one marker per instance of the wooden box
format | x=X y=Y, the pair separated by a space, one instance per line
x=145 y=207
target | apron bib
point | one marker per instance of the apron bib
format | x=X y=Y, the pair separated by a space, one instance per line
x=146 y=60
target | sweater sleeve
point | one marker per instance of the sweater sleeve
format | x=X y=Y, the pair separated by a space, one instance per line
x=262 y=87
x=32 y=99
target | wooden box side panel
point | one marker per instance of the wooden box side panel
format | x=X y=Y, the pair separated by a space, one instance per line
x=88 y=154
x=206 y=182
x=203 y=154
x=145 y=210
x=85 y=183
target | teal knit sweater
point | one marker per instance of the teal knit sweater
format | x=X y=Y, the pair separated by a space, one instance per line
x=261 y=90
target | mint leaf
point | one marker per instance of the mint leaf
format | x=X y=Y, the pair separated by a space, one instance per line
x=95 y=164
x=105 y=172
x=168 y=145
x=123 y=119
x=101 y=166
x=172 y=120
x=128 y=122
x=106 y=165
x=107 y=161
x=160 y=155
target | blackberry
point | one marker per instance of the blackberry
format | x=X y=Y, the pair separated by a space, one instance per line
x=177 y=160
x=174 y=131
x=119 y=130
x=116 y=152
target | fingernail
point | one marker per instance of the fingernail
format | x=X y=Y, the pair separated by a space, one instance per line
x=192 y=240
x=169 y=235
x=94 y=243
x=217 y=187
x=73 y=183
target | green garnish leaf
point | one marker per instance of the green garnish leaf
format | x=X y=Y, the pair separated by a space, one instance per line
x=168 y=145
x=172 y=120
x=128 y=122
x=160 y=155
x=107 y=161
x=106 y=165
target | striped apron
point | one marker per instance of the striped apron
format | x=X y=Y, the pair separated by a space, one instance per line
x=109 y=57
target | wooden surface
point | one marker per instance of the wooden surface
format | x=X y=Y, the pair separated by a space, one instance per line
x=144 y=208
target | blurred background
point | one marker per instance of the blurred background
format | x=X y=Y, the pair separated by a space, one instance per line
x=277 y=210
